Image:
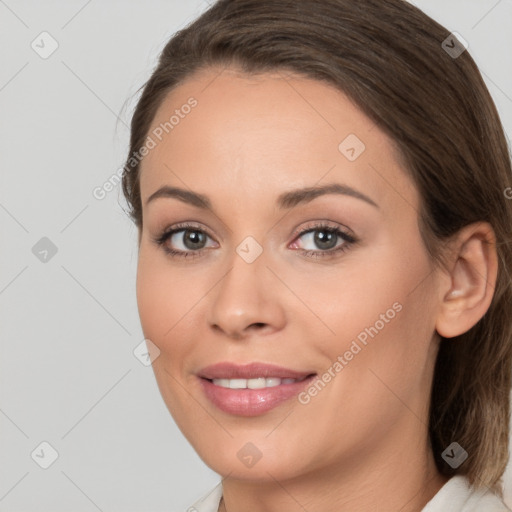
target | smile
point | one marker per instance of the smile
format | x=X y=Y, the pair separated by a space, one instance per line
x=251 y=389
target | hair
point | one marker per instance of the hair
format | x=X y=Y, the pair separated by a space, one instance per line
x=388 y=57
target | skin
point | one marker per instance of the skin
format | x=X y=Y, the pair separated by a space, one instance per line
x=361 y=444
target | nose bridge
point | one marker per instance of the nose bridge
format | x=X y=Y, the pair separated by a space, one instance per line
x=244 y=297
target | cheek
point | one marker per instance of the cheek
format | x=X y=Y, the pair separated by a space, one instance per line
x=382 y=317
x=385 y=344
x=163 y=297
x=165 y=289
x=163 y=300
x=366 y=292
x=151 y=297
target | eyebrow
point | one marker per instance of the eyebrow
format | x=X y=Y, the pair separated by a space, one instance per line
x=286 y=200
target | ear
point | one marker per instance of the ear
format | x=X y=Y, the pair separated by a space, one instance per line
x=470 y=280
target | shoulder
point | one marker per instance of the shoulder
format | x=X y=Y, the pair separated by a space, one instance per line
x=209 y=502
x=458 y=496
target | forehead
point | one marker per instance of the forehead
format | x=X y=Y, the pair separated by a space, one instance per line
x=269 y=131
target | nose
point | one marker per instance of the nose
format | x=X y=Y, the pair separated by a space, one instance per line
x=247 y=300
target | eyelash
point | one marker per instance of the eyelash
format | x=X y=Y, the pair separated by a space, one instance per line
x=348 y=240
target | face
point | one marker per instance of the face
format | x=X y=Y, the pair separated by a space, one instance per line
x=286 y=286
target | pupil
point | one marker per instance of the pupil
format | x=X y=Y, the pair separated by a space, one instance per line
x=324 y=239
x=193 y=238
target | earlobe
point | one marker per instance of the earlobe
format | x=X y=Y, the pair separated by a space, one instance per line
x=472 y=280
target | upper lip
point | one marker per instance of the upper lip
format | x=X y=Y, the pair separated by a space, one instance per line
x=227 y=370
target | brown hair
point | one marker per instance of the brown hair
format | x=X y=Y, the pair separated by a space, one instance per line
x=389 y=58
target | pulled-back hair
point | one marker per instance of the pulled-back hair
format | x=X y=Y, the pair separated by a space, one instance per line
x=389 y=58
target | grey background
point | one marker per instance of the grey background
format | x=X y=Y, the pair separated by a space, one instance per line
x=69 y=325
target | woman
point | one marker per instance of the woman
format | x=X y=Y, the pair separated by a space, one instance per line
x=324 y=257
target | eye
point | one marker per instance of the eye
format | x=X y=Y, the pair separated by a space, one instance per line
x=327 y=239
x=183 y=240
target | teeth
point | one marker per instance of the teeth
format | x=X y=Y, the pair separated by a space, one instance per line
x=270 y=383
x=258 y=383
x=237 y=383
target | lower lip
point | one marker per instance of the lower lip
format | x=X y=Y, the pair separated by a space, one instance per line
x=251 y=402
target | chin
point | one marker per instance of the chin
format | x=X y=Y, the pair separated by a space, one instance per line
x=244 y=460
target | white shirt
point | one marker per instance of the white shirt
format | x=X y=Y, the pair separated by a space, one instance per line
x=455 y=496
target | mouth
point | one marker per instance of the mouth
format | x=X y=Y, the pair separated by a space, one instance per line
x=252 y=389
